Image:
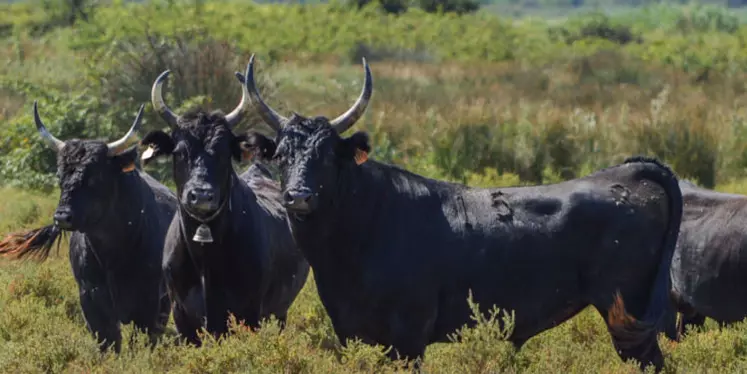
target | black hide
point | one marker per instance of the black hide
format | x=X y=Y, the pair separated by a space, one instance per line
x=394 y=254
x=252 y=269
x=709 y=265
x=119 y=220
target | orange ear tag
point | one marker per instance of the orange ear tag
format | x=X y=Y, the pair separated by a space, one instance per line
x=360 y=156
x=246 y=151
x=128 y=168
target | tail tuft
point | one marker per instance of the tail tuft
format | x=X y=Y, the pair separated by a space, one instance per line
x=36 y=243
x=628 y=332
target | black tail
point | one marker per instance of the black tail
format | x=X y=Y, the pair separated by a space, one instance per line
x=36 y=243
x=630 y=331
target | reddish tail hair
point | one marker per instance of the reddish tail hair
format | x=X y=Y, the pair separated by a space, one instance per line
x=36 y=243
x=627 y=330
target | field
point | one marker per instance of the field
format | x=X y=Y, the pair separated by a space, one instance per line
x=478 y=99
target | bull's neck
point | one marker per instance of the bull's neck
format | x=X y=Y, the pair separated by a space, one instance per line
x=334 y=229
x=218 y=223
x=124 y=218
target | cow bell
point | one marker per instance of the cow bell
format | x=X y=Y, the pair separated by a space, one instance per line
x=203 y=234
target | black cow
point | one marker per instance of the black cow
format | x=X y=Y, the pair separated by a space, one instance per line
x=118 y=216
x=394 y=253
x=229 y=248
x=709 y=267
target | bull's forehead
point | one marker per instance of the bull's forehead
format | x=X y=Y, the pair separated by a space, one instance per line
x=82 y=153
x=305 y=133
x=77 y=156
x=204 y=135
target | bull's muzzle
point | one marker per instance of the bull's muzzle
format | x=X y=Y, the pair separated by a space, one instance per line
x=63 y=218
x=202 y=200
x=300 y=202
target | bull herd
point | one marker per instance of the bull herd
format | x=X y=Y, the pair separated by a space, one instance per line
x=394 y=254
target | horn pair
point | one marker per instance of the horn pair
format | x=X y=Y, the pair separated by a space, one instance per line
x=156 y=97
x=249 y=93
x=114 y=148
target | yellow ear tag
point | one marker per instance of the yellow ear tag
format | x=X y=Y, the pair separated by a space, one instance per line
x=361 y=156
x=128 y=168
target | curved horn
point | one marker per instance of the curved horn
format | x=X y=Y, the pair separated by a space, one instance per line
x=347 y=119
x=48 y=138
x=120 y=145
x=269 y=115
x=239 y=113
x=156 y=98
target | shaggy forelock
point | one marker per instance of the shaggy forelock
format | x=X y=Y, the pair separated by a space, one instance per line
x=209 y=128
x=307 y=132
x=75 y=156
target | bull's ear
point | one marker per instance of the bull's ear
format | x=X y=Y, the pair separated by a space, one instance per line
x=127 y=160
x=159 y=144
x=356 y=147
x=255 y=144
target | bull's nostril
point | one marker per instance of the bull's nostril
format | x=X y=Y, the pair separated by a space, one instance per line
x=288 y=197
x=192 y=197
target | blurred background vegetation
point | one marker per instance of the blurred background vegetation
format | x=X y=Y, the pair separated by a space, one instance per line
x=488 y=93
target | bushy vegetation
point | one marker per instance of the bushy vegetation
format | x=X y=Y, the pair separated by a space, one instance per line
x=477 y=98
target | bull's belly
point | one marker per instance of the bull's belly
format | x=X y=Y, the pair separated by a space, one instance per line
x=724 y=299
x=532 y=310
x=384 y=321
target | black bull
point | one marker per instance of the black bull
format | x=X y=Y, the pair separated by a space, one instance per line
x=229 y=248
x=709 y=267
x=118 y=216
x=394 y=254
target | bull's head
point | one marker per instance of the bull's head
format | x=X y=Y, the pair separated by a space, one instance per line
x=202 y=146
x=87 y=171
x=310 y=151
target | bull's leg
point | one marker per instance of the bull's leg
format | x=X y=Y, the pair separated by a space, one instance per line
x=631 y=339
x=100 y=316
x=251 y=314
x=409 y=332
x=152 y=317
x=693 y=319
x=672 y=327
x=282 y=321
x=189 y=315
x=184 y=286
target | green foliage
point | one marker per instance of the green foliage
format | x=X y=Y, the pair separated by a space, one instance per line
x=455 y=6
x=26 y=161
x=595 y=25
